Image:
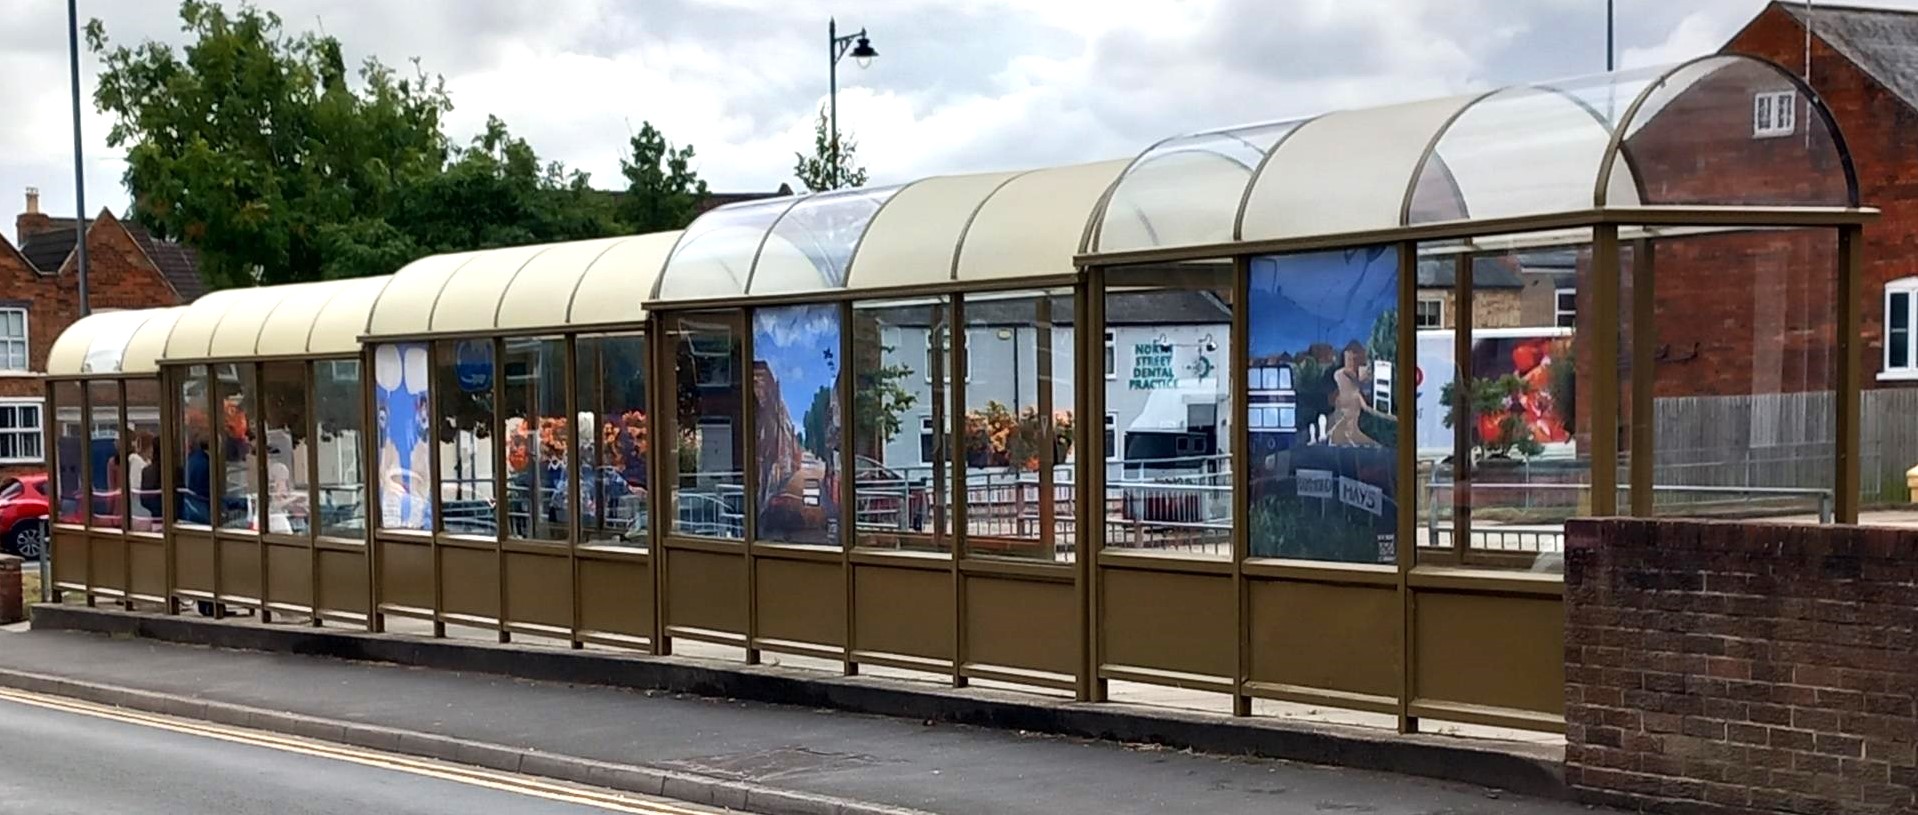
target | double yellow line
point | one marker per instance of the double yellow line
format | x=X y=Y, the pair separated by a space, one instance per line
x=473 y=776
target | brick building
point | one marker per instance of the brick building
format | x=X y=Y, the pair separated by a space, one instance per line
x=39 y=297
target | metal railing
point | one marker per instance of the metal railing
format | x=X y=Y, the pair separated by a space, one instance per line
x=1548 y=535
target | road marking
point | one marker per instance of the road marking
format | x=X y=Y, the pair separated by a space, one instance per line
x=473 y=776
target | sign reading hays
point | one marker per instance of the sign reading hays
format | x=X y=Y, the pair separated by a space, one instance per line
x=1350 y=492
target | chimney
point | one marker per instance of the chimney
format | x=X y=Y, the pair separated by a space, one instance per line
x=33 y=221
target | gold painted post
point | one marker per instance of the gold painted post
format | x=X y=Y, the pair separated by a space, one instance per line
x=1092 y=489
x=372 y=499
x=86 y=504
x=576 y=468
x=1604 y=365
x=1404 y=399
x=163 y=457
x=1847 y=481
x=434 y=529
x=661 y=425
x=749 y=471
x=1644 y=338
x=125 y=508
x=216 y=483
x=961 y=498
x=1239 y=364
x=1090 y=452
x=848 y=397
x=1048 y=457
x=502 y=500
x=1463 y=422
x=309 y=370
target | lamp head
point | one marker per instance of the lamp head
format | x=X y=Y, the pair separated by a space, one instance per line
x=863 y=52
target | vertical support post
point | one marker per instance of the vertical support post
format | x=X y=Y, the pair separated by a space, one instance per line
x=1090 y=451
x=961 y=517
x=1464 y=424
x=1604 y=365
x=1404 y=401
x=848 y=485
x=662 y=427
x=374 y=481
x=1644 y=336
x=749 y=469
x=1847 y=481
x=309 y=378
x=50 y=432
x=255 y=404
x=1092 y=488
x=1239 y=364
x=124 y=502
x=1048 y=458
x=576 y=468
x=165 y=456
x=435 y=467
x=502 y=500
x=87 y=495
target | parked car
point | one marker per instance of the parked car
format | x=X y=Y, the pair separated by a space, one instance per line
x=23 y=516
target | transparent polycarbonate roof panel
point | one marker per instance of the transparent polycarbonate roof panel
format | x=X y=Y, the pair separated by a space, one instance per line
x=1186 y=191
x=1526 y=150
x=1344 y=172
x=811 y=246
x=111 y=332
x=1733 y=131
x=715 y=256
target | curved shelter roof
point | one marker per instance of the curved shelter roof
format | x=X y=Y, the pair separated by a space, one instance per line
x=113 y=342
x=296 y=320
x=557 y=285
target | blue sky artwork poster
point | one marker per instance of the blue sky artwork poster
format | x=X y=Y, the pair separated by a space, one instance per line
x=1316 y=297
x=800 y=345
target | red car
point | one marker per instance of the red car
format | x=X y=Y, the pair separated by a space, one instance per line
x=23 y=516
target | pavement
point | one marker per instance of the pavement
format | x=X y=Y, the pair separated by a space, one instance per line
x=828 y=755
x=169 y=767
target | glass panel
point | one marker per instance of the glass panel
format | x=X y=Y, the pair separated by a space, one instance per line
x=534 y=404
x=106 y=455
x=236 y=394
x=1171 y=489
x=463 y=388
x=193 y=470
x=341 y=473
x=283 y=394
x=1016 y=435
x=71 y=427
x=796 y=410
x=715 y=255
x=143 y=456
x=1323 y=464
x=615 y=443
x=1694 y=142
x=709 y=497
x=903 y=467
x=405 y=423
x=1898 y=329
x=811 y=246
x=1186 y=191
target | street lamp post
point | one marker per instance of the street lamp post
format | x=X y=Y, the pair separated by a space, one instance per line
x=837 y=47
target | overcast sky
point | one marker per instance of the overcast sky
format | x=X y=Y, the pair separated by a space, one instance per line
x=961 y=85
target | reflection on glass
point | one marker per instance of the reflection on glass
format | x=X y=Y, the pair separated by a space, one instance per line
x=534 y=403
x=283 y=397
x=405 y=419
x=235 y=396
x=143 y=455
x=1169 y=489
x=796 y=409
x=343 y=489
x=463 y=379
x=104 y=453
x=1016 y=436
x=614 y=441
x=902 y=465
x=72 y=428
x=193 y=470
x=1324 y=433
x=709 y=498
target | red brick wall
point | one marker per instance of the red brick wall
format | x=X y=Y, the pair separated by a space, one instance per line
x=1717 y=667
x=1878 y=129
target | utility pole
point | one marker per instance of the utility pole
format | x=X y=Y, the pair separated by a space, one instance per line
x=79 y=164
x=1611 y=50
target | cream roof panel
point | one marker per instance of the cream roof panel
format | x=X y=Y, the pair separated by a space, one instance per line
x=238 y=332
x=193 y=332
x=619 y=280
x=406 y=305
x=1344 y=172
x=290 y=318
x=95 y=343
x=913 y=240
x=148 y=345
x=337 y=326
x=1036 y=223
x=469 y=299
x=538 y=296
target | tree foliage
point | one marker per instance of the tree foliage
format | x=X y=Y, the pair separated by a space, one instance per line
x=822 y=170
x=261 y=149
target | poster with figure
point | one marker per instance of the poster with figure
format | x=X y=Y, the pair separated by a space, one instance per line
x=796 y=408
x=1323 y=327
x=400 y=373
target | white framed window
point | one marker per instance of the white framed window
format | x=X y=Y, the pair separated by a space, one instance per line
x=1281 y=416
x=1565 y=308
x=1430 y=313
x=1112 y=355
x=1774 y=113
x=20 y=431
x=712 y=354
x=943 y=348
x=1901 y=329
x=13 y=339
x=926 y=439
x=1273 y=378
x=1111 y=441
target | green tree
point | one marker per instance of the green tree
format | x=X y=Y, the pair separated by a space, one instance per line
x=816 y=426
x=662 y=191
x=249 y=142
x=823 y=171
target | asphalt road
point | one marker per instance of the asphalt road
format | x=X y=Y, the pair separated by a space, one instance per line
x=54 y=762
